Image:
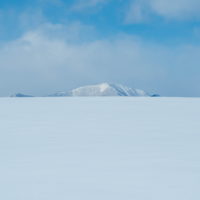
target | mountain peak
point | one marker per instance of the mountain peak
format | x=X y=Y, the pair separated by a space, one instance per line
x=103 y=86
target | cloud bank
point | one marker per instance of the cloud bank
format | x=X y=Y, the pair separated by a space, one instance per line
x=181 y=10
x=52 y=58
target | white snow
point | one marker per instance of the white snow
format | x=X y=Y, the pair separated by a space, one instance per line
x=103 y=87
x=99 y=148
x=106 y=89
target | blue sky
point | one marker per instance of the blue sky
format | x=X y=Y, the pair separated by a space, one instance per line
x=52 y=45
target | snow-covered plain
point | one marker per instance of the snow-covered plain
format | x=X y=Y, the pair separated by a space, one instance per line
x=100 y=148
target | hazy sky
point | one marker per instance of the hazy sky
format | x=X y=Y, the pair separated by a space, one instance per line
x=55 y=45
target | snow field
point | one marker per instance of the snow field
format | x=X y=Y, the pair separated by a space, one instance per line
x=100 y=148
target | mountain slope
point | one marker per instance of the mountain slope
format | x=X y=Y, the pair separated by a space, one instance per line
x=106 y=89
x=59 y=94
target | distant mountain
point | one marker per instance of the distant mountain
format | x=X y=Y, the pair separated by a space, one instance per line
x=106 y=89
x=20 y=95
x=103 y=89
x=155 y=95
x=59 y=94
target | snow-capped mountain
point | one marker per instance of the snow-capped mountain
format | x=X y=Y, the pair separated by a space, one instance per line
x=103 y=89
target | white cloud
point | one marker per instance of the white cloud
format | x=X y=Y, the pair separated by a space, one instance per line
x=138 y=13
x=50 y=59
x=169 y=9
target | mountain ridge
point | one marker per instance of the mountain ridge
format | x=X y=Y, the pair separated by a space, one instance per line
x=102 y=89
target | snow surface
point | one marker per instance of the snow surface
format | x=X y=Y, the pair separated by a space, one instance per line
x=100 y=148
